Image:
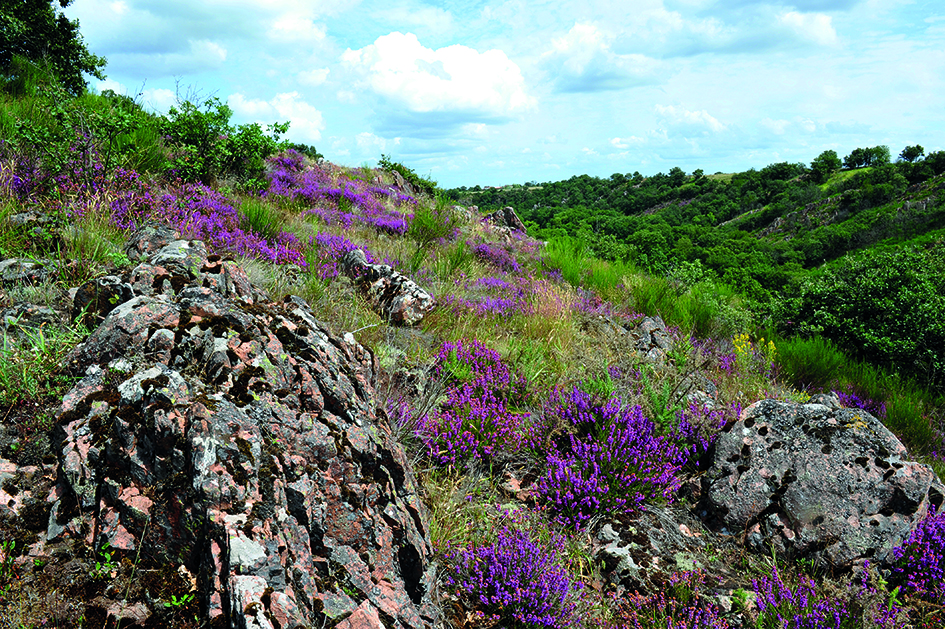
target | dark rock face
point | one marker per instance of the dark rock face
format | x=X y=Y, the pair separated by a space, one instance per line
x=236 y=439
x=817 y=480
x=392 y=295
x=96 y=298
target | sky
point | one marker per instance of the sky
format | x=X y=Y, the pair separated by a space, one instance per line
x=496 y=92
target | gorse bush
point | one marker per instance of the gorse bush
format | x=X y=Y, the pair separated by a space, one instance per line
x=611 y=461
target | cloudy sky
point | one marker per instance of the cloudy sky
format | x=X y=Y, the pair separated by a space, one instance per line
x=508 y=91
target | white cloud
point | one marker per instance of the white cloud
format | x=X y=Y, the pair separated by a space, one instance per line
x=432 y=19
x=625 y=143
x=211 y=52
x=313 y=78
x=689 y=120
x=777 y=127
x=306 y=121
x=814 y=27
x=159 y=99
x=295 y=27
x=583 y=61
x=372 y=144
x=454 y=79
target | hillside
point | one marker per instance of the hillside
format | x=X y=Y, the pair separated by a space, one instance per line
x=768 y=235
x=242 y=386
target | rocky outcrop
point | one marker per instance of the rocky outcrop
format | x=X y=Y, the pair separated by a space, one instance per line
x=393 y=296
x=816 y=480
x=653 y=341
x=506 y=217
x=218 y=435
x=26 y=317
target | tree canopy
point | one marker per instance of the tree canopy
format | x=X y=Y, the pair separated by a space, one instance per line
x=36 y=30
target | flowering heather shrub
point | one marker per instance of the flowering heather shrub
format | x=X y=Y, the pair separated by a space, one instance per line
x=676 y=607
x=203 y=213
x=353 y=199
x=802 y=607
x=516 y=580
x=851 y=399
x=780 y=606
x=476 y=420
x=497 y=256
x=920 y=560
x=613 y=461
x=697 y=429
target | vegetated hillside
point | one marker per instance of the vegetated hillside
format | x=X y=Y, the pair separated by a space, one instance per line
x=765 y=233
x=230 y=429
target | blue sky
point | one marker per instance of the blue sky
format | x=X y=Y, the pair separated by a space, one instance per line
x=509 y=91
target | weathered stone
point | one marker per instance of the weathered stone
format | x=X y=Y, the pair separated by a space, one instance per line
x=506 y=217
x=657 y=543
x=392 y=295
x=149 y=239
x=812 y=480
x=26 y=317
x=22 y=271
x=236 y=438
x=96 y=298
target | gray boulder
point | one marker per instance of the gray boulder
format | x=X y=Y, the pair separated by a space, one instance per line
x=816 y=480
x=392 y=295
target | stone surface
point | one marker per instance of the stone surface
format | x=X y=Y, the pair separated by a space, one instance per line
x=23 y=271
x=392 y=295
x=506 y=217
x=96 y=298
x=816 y=480
x=27 y=317
x=234 y=439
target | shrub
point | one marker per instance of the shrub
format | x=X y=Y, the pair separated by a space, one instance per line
x=477 y=420
x=804 y=607
x=884 y=306
x=516 y=580
x=920 y=560
x=677 y=606
x=611 y=462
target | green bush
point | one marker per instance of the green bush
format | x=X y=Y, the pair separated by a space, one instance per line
x=885 y=307
x=207 y=147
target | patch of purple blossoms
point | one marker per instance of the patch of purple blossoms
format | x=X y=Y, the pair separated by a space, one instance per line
x=613 y=461
x=516 y=581
x=850 y=398
x=476 y=421
x=496 y=255
x=920 y=560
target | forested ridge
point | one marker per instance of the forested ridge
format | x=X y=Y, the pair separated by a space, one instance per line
x=782 y=237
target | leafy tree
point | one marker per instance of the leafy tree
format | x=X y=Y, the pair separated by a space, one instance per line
x=824 y=165
x=208 y=147
x=912 y=153
x=35 y=30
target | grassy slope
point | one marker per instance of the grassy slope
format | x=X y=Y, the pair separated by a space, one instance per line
x=548 y=329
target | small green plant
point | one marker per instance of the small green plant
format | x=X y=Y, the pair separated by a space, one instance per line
x=179 y=602
x=105 y=567
x=7 y=567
